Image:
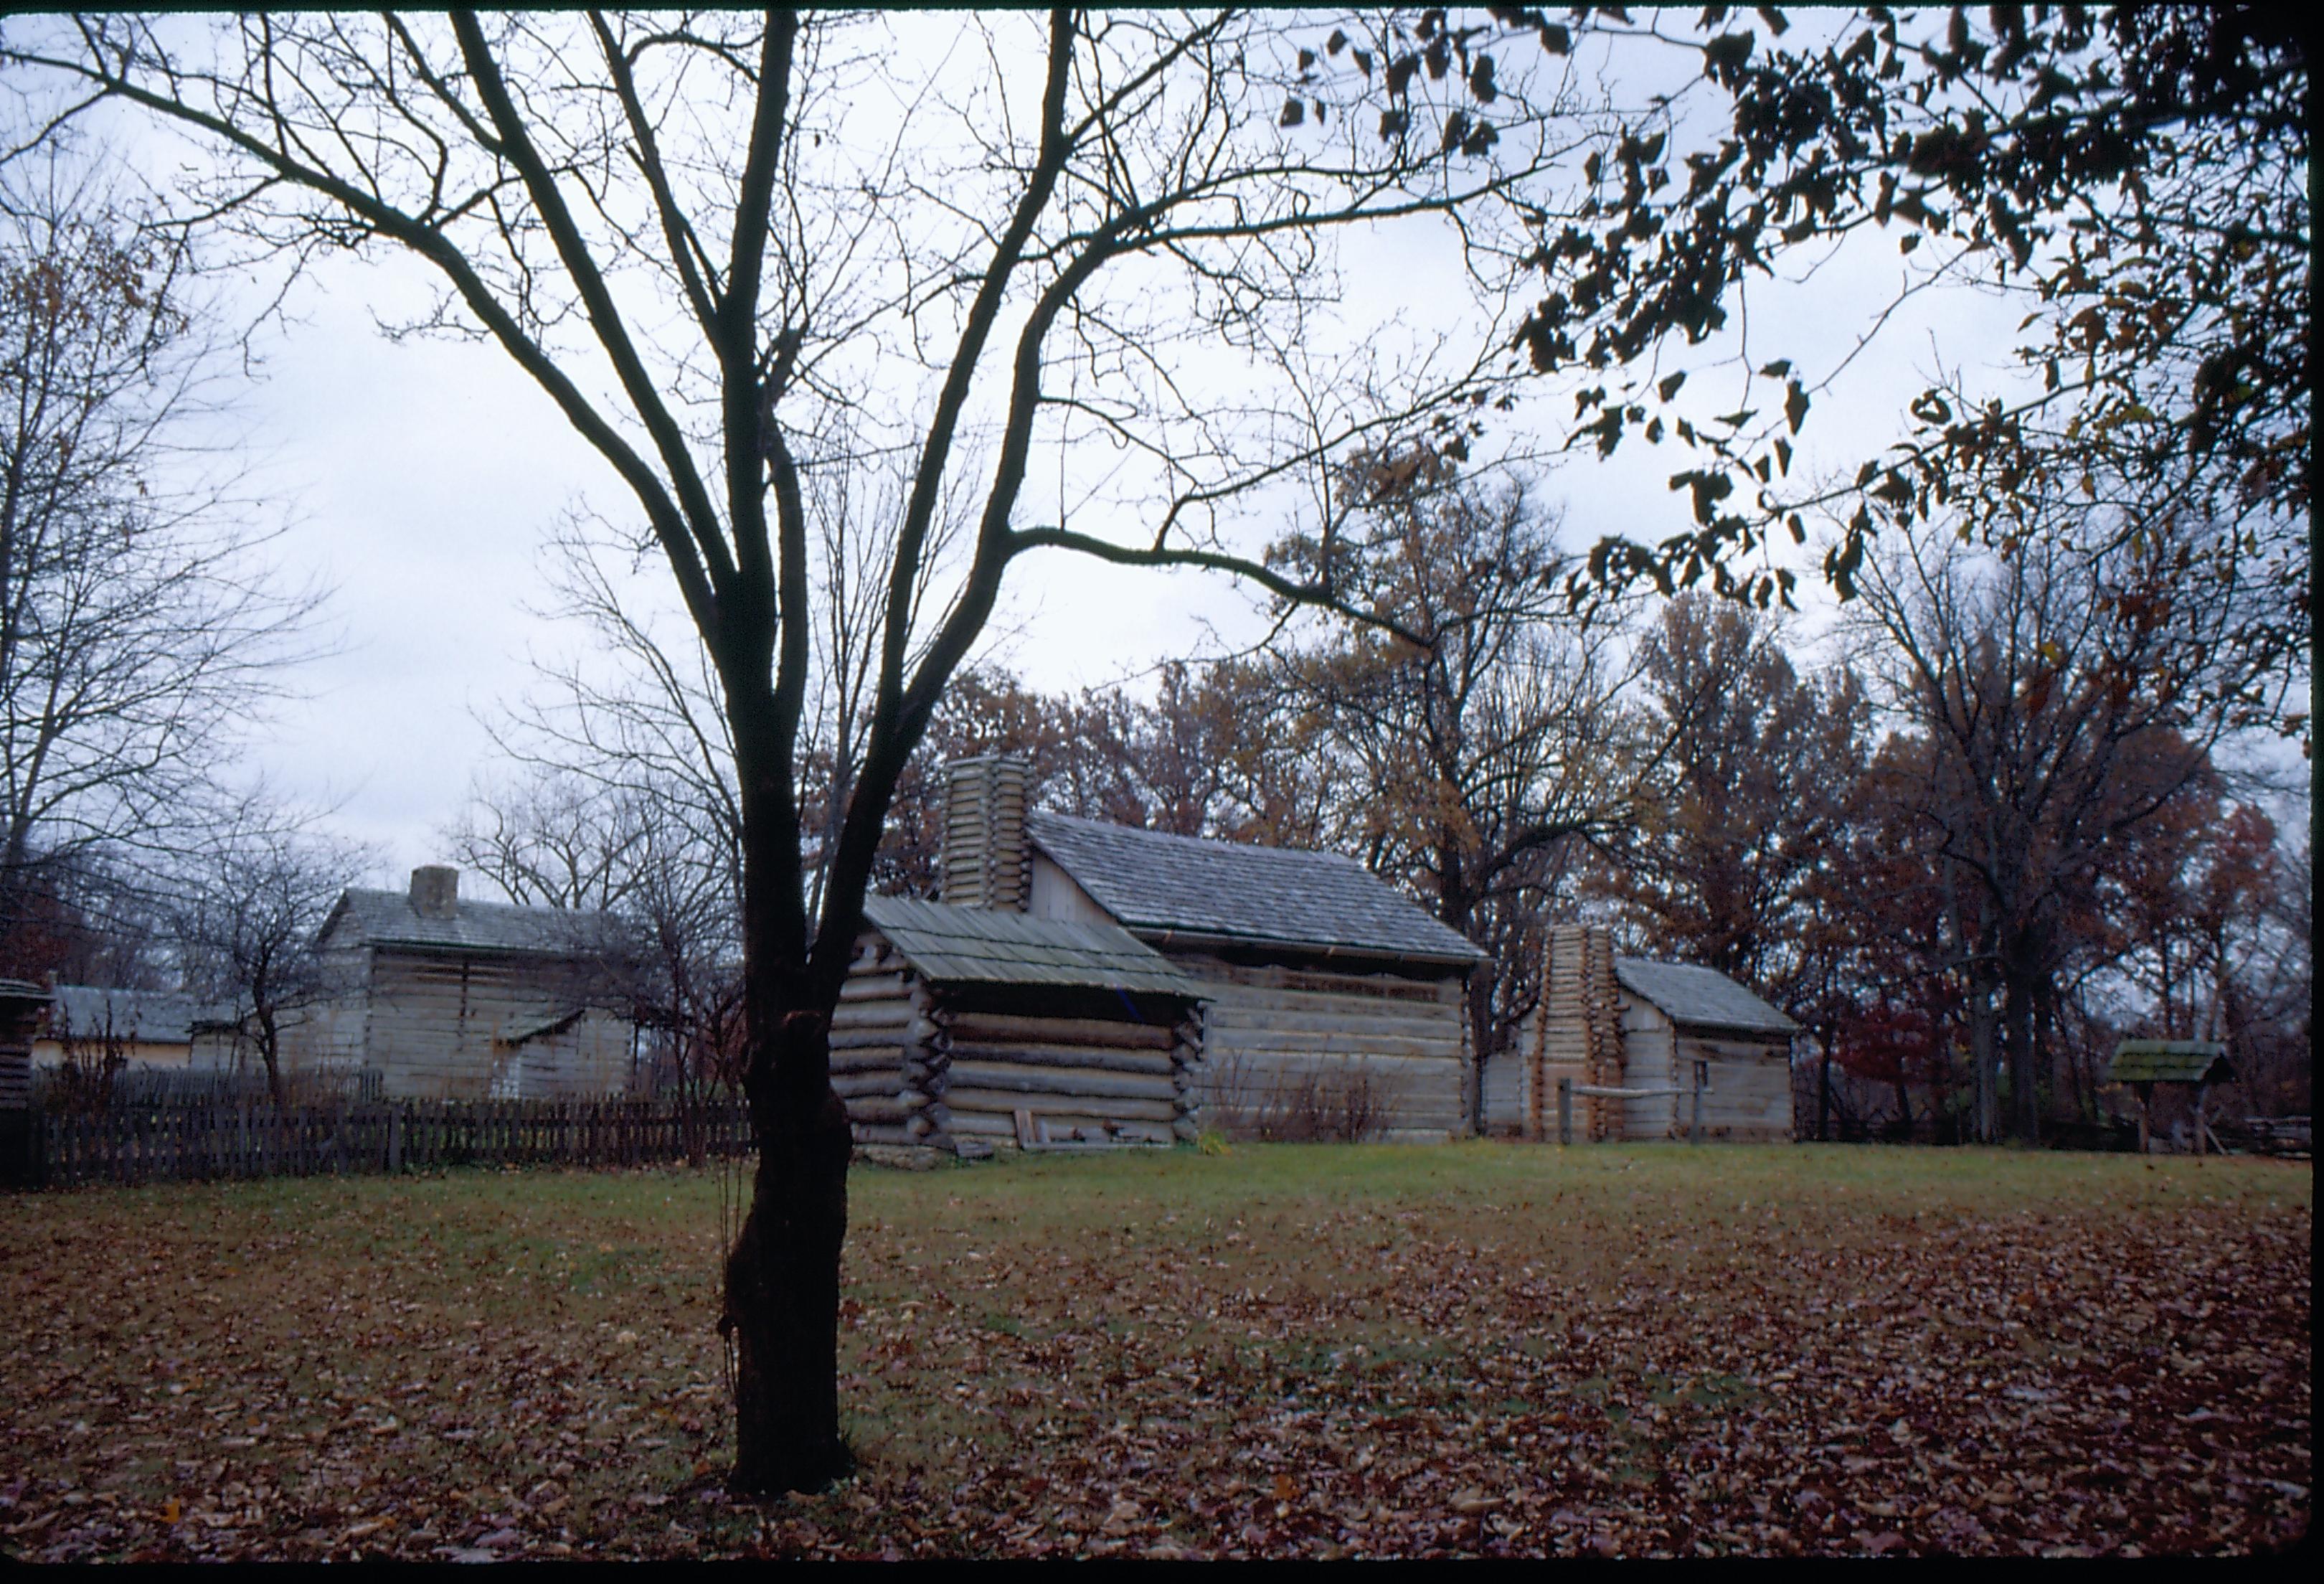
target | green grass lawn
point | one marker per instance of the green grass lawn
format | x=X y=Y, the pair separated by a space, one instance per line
x=1483 y=1349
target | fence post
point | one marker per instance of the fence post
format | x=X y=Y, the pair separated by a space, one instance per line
x=395 y=1141
x=1565 y=1110
x=1694 y=1122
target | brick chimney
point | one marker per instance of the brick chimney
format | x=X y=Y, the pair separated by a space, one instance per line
x=987 y=861
x=435 y=891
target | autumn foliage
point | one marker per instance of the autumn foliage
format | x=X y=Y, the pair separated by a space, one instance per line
x=1327 y=1350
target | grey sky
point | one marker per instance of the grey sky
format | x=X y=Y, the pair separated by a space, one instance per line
x=424 y=477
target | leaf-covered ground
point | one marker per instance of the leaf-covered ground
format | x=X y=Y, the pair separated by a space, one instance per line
x=1291 y=1351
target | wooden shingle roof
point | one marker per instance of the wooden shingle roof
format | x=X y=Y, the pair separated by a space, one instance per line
x=1698 y=997
x=148 y=1016
x=1268 y=895
x=387 y=918
x=973 y=945
x=2170 y=1061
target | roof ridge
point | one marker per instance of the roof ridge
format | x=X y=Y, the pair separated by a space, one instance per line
x=465 y=901
x=1148 y=833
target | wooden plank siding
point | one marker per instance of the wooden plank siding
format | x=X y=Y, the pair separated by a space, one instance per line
x=1749 y=1096
x=440 y=1026
x=1270 y=1026
x=1649 y=1052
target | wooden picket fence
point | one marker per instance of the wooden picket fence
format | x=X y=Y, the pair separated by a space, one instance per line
x=208 y=1143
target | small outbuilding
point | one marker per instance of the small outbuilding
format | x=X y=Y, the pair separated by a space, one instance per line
x=142 y=1028
x=2191 y=1066
x=1674 y=1051
x=960 y=1027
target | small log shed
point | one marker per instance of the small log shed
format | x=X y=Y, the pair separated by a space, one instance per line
x=2197 y=1063
x=1673 y=1051
x=960 y=1027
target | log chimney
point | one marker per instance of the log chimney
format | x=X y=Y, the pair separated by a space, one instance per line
x=987 y=861
x=1578 y=1032
x=435 y=891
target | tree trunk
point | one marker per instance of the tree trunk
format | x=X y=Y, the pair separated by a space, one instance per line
x=1823 y=1086
x=1479 y=1009
x=781 y=1311
x=270 y=1051
x=2017 y=1039
x=1985 y=1124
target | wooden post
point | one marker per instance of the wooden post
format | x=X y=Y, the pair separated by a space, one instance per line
x=1694 y=1121
x=2202 y=1097
x=395 y=1141
x=2145 y=1091
x=1565 y=1110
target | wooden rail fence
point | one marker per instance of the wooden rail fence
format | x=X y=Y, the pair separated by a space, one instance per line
x=208 y=1143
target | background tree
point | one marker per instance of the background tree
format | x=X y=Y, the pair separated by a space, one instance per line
x=245 y=915
x=1473 y=735
x=142 y=631
x=2209 y=914
x=2060 y=700
x=1752 y=804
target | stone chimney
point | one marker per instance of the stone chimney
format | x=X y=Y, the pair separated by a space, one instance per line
x=987 y=861
x=435 y=891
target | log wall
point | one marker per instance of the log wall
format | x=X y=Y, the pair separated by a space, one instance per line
x=880 y=1058
x=916 y=1065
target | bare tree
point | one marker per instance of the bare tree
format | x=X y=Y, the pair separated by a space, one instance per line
x=549 y=837
x=722 y=246
x=612 y=838
x=247 y=909
x=141 y=627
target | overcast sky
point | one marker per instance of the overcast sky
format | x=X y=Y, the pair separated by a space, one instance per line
x=422 y=477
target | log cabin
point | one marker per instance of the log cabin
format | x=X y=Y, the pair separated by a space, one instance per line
x=445 y=999
x=1634 y=1023
x=1320 y=984
x=969 y=1029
